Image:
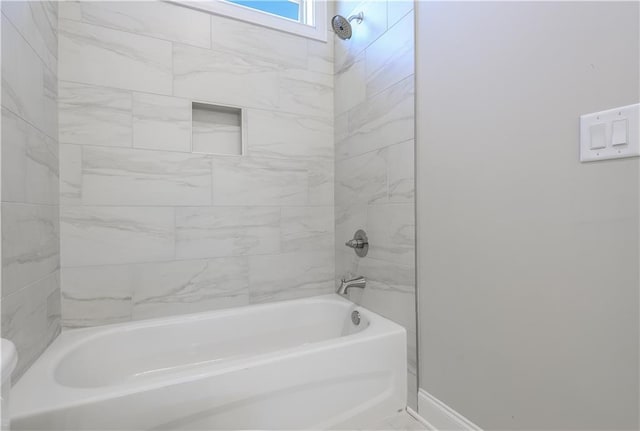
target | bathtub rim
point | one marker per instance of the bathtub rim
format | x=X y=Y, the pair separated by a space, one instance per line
x=51 y=395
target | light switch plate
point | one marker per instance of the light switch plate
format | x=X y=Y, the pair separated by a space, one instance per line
x=631 y=113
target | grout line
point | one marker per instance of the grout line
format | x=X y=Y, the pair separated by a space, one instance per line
x=32 y=204
x=212 y=155
x=195 y=206
x=127 y=31
x=328 y=118
x=190 y=259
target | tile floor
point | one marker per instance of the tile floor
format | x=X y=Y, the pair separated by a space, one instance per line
x=401 y=421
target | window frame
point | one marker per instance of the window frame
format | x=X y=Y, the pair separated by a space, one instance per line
x=309 y=8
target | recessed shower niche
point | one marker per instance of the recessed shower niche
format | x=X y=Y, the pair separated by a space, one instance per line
x=217 y=129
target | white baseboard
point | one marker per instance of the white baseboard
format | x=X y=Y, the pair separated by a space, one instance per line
x=439 y=416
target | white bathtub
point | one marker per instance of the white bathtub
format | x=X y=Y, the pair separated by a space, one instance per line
x=298 y=364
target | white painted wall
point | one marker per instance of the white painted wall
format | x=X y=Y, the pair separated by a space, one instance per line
x=151 y=227
x=528 y=260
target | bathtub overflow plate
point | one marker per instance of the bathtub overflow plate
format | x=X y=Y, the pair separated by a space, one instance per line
x=355 y=317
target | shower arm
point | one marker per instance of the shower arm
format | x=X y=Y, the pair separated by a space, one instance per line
x=358 y=17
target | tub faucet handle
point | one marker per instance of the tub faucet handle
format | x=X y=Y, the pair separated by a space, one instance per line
x=355 y=243
x=359 y=243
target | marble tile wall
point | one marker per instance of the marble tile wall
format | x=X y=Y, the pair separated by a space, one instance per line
x=374 y=163
x=154 y=225
x=29 y=208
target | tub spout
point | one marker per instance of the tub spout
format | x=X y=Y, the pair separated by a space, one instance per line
x=345 y=285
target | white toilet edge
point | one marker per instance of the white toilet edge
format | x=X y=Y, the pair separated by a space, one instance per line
x=9 y=359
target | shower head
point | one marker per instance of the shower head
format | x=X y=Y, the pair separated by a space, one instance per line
x=342 y=25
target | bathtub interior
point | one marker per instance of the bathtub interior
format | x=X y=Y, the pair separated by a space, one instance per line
x=300 y=364
x=159 y=347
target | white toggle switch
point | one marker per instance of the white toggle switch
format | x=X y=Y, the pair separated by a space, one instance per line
x=598 y=136
x=619 y=132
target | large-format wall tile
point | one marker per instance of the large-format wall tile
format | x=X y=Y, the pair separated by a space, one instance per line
x=412 y=352
x=29 y=163
x=340 y=126
x=113 y=235
x=250 y=40
x=26 y=320
x=70 y=174
x=282 y=135
x=226 y=231
x=370 y=29
x=189 y=286
x=320 y=55
x=30 y=244
x=50 y=102
x=305 y=92
x=391 y=230
x=383 y=120
x=113 y=176
x=290 y=275
x=156 y=19
x=390 y=290
x=400 y=169
x=91 y=115
x=374 y=169
x=97 y=55
x=22 y=78
x=396 y=9
x=224 y=77
x=390 y=58
x=161 y=122
x=348 y=219
x=96 y=295
x=351 y=88
x=71 y=9
x=252 y=181
x=321 y=179
x=345 y=7
x=54 y=312
x=346 y=264
x=38 y=22
x=307 y=228
x=177 y=230
x=30 y=215
x=361 y=179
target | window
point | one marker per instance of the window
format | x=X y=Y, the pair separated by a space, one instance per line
x=301 y=17
x=285 y=8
